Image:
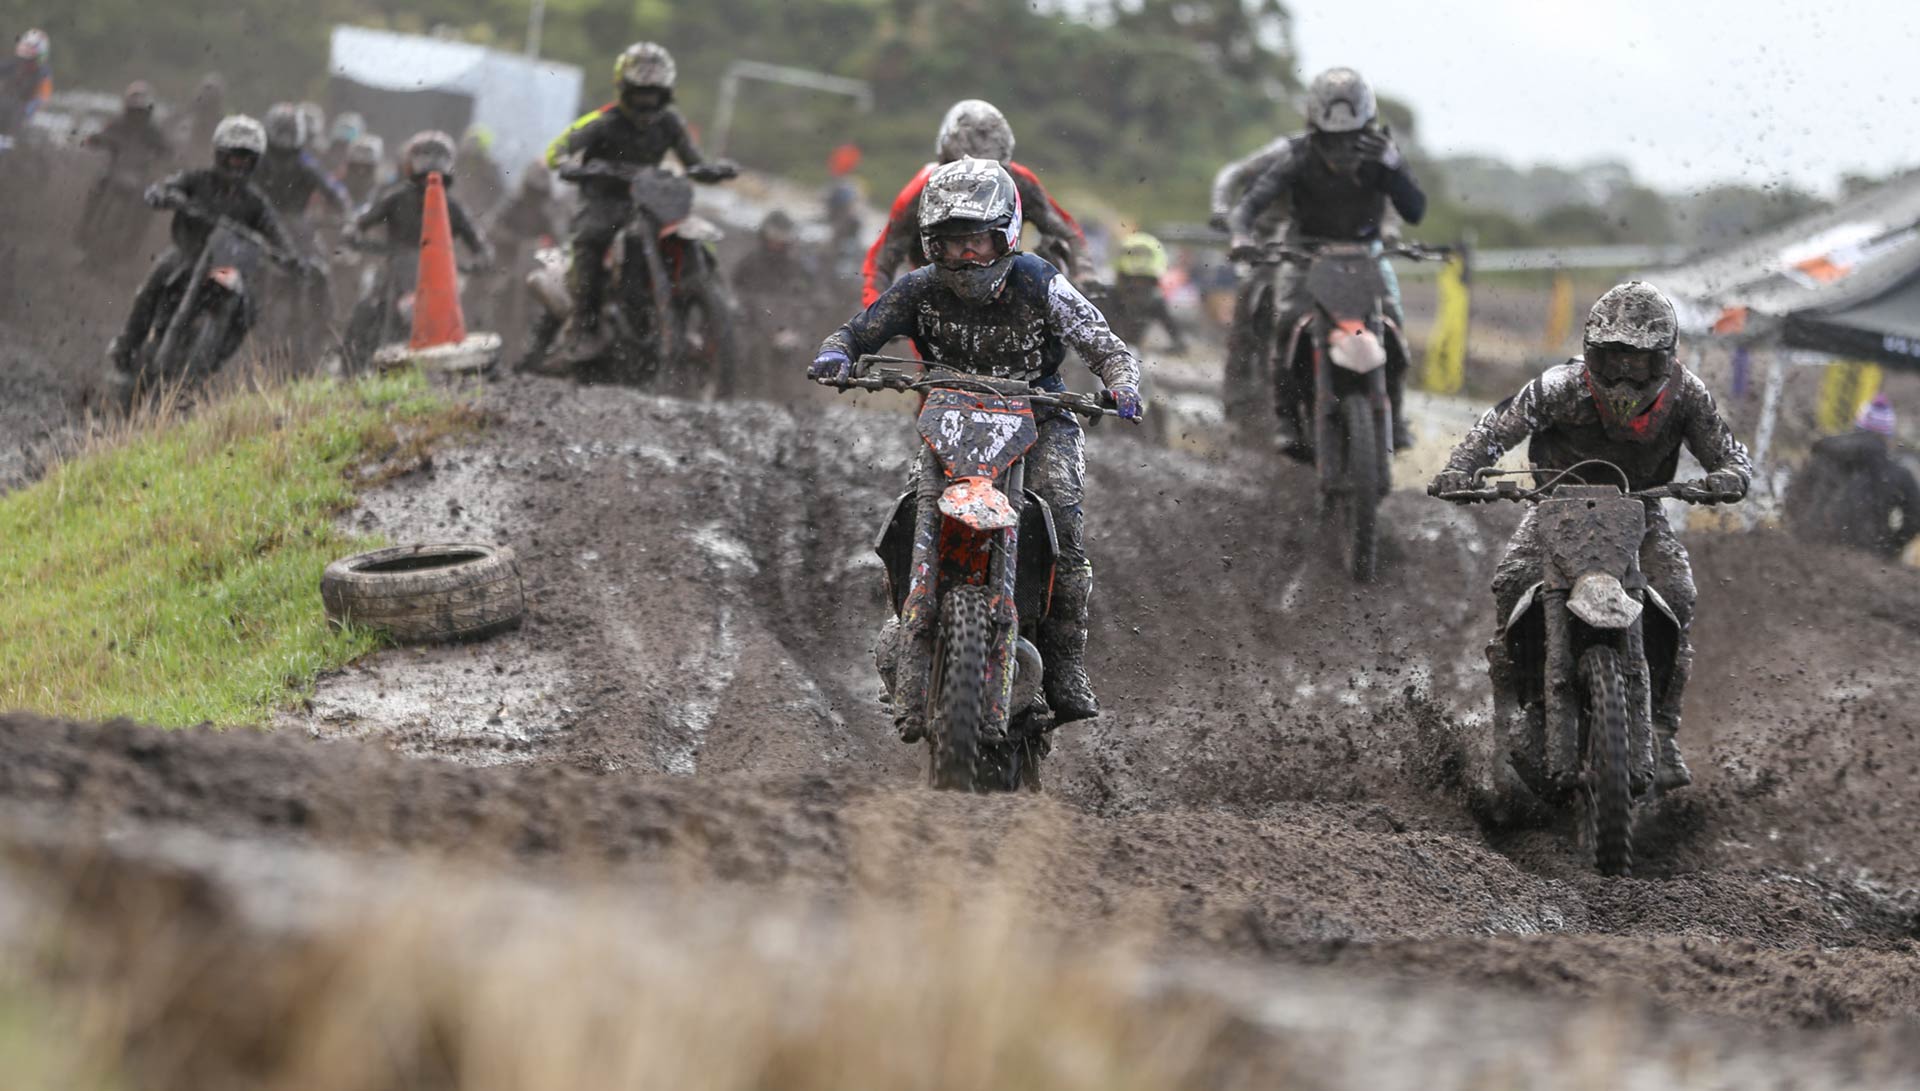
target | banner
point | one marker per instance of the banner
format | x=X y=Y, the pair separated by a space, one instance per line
x=1444 y=370
x=1846 y=386
x=1559 y=315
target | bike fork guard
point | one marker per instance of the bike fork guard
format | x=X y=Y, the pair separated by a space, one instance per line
x=1561 y=695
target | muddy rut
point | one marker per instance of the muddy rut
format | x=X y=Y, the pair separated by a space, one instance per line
x=1277 y=778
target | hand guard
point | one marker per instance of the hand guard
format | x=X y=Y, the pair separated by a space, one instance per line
x=830 y=364
x=1452 y=481
x=1127 y=401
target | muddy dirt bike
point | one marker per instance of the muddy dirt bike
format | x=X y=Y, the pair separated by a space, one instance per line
x=969 y=559
x=206 y=311
x=671 y=312
x=1342 y=347
x=1589 y=656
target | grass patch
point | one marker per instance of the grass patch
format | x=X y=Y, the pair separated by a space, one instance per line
x=170 y=572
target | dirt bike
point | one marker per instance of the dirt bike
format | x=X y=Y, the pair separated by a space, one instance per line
x=969 y=559
x=1345 y=340
x=1589 y=658
x=208 y=309
x=671 y=311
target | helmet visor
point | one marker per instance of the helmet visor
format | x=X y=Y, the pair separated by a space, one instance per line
x=236 y=160
x=1623 y=365
x=969 y=244
x=429 y=160
x=644 y=100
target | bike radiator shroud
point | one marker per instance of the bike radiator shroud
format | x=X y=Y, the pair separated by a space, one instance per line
x=974 y=439
x=1587 y=529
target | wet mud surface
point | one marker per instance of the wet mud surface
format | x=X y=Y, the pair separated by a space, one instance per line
x=1278 y=779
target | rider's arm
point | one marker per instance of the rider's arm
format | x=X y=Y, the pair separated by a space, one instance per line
x=1271 y=186
x=684 y=149
x=575 y=138
x=464 y=230
x=171 y=191
x=1409 y=200
x=1233 y=179
x=889 y=252
x=890 y=316
x=1709 y=437
x=1084 y=329
x=1513 y=420
x=377 y=211
x=1043 y=211
x=266 y=221
x=332 y=193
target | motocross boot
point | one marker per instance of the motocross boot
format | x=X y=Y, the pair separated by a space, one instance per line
x=589 y=336
x=1670 y=768
x=1063 y=649
x=1510 y=735
x=1403 y=437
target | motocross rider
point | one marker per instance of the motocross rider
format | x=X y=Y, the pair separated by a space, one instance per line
x=399 y=212
x=347 y=128
x=975 y=128
x=360 y=174
x=1629 y=402
x=637 y=129
x=291 y=176
x=222 y=191
x=26 y=80
x=134 y=147
x=1336 y=180
x=984 y=307
x=1251 y=331
x=1138 y=301
x=1853 y=491
x=209 y=107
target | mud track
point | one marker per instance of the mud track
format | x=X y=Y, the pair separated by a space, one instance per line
x=1277 y=778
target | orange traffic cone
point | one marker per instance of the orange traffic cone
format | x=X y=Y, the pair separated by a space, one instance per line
x=436 y=302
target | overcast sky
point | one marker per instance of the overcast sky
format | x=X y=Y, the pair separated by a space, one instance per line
x=1687 y=91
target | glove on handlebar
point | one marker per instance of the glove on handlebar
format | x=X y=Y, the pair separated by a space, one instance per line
x=831 y=364
x=1727 y=485
x=1451 y=481
x=1127 y=401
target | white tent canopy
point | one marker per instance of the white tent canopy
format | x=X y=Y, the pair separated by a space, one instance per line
x=524 y=101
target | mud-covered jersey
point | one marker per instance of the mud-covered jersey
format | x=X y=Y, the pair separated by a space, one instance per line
x=612 y=135
x=1557 y=410
x=217 y=195
x=400 y=210
x=291 y=178
x=1323 y=204
x=133 y=143
x=899 y=241
x=1023 y=333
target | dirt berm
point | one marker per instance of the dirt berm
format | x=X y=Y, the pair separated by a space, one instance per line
x=1276 y=777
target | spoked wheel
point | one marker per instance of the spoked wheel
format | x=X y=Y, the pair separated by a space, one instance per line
x=709 y=343
x=957 y=722
x=1361 y=484
x=1606 y=793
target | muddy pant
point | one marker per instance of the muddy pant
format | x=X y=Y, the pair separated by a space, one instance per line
x=1247 y=341
x=595 y=227
x=1291 y=301
x=1664 y=564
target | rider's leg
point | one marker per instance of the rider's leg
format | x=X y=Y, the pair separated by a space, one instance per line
x=594 y=228
x=1664 y=563
x=140 y=316
x=1241 y=387
x=1518 y=570
x=1290 y=301
x=1398 y=364
x=1056 y=471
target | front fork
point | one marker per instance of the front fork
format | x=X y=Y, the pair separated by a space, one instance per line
x=1564 y=707
x=1330 y=454
x=920 y=614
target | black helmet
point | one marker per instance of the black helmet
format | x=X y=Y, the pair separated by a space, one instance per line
x=1630 y=337
x=970 y=226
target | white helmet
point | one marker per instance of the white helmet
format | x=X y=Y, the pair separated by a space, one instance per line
x=974 y=128
x=1339 y=101
x=239 y=133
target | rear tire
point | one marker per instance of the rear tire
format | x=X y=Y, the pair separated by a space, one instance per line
x=1607 y=792
x=1362 y=487
x=957 y=722
x=709 y=342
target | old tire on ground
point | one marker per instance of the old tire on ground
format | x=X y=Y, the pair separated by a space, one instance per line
x=427 y=593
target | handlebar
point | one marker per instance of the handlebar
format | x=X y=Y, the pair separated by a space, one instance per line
x=885 y=373
x=1274 y=253
x=717 y=171
x=274 y=253
x=1691 y=492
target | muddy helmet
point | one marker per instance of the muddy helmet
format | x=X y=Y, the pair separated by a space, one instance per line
x=366 y=151
x=1339 y=101
x=238 y=143
x=347 y=128
x=285 y=129
x=1630 y=337
x=645 y=64
x=966 y=198
x=32 y=45
x=430 y=151
x=1141 y=255
x=138 y=97
x=974 y=128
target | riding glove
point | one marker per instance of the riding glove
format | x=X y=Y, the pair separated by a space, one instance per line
x=831 y=364
x=1126 y=400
